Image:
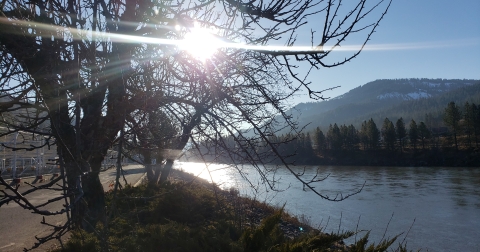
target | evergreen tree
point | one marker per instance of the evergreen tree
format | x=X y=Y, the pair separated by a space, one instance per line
x=469 y=118
x=328 y=136
x=334 y=137
x=352 y=137
x=401 y=131
x=423 y=133
x=476 y=122
x=413 y=133
x=320 y=140
x=388 y=134
x=452 y=118
x=344 y=136
x=307 y=146
x=373 y=134
x=291 y=145
x=349 y=136
x=364 y=134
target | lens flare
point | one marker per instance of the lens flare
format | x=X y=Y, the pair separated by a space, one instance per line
x=201 y=43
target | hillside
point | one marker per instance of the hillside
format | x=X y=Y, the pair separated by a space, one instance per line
x=407 y=98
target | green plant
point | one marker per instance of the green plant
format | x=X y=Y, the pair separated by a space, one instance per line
x=188 y=217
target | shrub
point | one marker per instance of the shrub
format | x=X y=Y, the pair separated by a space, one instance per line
x=188 y=217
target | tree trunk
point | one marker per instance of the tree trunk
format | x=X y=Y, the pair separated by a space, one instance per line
x=166 y=170
x=94 y=197
x=88 y=200
x=158 y=170
x=75 y=193
x=147 y=161
x=150 y=173
x=182 y=142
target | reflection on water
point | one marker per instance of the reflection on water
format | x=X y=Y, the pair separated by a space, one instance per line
x=444 y=202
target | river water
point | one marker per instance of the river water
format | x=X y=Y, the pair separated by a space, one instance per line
x=438 y=207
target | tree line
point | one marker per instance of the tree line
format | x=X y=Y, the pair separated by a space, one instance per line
x=460 y=122
x=393 y=137
x=463 y=121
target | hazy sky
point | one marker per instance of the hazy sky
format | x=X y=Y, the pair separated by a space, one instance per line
x=441 y=39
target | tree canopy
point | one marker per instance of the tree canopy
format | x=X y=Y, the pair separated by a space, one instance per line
x=90 y=74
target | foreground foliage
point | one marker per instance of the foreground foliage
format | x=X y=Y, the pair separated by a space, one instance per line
x=193 y=217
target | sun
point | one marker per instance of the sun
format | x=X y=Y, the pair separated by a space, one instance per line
x=200 y=42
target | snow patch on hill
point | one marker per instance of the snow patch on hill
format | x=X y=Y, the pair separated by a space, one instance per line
x=409 y=96
x=418 y=95
x=430 y=84
x=390 y=95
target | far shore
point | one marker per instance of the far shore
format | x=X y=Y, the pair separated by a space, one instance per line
x=408 y=157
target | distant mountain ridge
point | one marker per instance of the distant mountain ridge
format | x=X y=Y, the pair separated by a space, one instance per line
x=375 y=98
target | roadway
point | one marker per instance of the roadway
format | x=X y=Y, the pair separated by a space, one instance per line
x=18 y=227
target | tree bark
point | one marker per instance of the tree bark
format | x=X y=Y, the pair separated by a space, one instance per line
x=94 y=197
x=158 y=170
x=166 y=171
x=147 y=161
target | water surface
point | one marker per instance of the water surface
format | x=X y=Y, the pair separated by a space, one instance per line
x=440 y=206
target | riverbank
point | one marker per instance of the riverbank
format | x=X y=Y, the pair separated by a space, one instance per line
x=190 y=214
x=445 y=200
x=407 y=157
x=250 y=212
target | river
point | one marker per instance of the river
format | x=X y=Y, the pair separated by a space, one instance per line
x=439 y=207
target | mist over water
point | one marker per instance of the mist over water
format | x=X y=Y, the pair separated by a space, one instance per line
x=439 y=205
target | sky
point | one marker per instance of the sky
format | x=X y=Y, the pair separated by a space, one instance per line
x=440 y=39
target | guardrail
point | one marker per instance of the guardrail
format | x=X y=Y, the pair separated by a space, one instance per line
x=29 y=171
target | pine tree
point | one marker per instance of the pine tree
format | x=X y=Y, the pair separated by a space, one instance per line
x=413 y=133
x=344 y=136
x=388 y=133
x=334 y=137
x=401 y=131
x=452 y=118
x=476 y=122
x=469 y=118
x=352 y=137
x=363 y=135
x=423 y=133
x=320 y=140
x=373 y=134
x=307 y=145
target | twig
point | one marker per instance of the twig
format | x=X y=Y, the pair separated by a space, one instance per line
x=391 y=217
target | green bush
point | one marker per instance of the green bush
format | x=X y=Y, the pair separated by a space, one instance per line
x=81 y=241
x=183 y=217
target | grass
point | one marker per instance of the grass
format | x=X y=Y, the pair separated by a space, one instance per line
x=194 y=217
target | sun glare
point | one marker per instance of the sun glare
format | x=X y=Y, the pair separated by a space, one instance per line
x=201 y=43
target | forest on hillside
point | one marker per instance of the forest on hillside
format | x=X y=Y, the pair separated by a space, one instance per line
x=388 y=98
x=453 y=141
